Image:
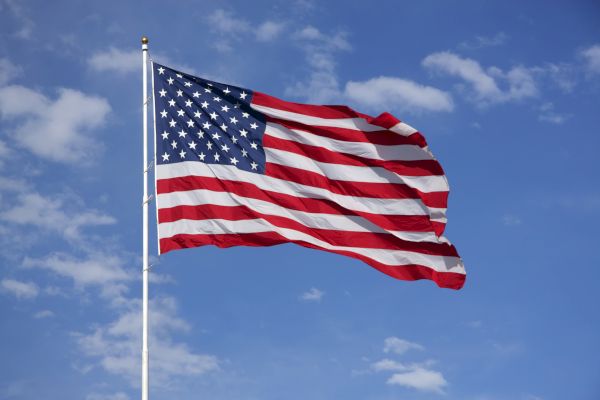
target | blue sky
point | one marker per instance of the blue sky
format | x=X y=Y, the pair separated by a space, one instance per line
x=507 y=95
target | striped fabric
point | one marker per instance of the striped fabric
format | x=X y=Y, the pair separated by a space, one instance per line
x=324 y=177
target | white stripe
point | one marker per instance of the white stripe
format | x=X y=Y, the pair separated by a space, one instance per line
x=352 y=173
x=403 y=129
x=347 y=223
x=406 y=152
x=384 y=256
x=358 y=124
x=229 y=172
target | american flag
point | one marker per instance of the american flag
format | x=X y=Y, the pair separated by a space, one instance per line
x=239 y=167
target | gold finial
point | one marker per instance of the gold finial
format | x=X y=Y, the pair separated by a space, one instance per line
x=144 y=39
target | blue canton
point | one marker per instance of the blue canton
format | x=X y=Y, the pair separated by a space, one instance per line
x=204 y=121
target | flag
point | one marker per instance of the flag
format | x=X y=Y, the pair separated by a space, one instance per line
x=239 y=167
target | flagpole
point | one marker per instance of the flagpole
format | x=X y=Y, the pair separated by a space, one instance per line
x=145 y=356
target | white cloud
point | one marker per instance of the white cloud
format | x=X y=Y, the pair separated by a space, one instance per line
x=548 y=114
x=101 y=396
x=485 y=41
x=399 y=346
x=388 y=365
x=8 y=71
x=591 y=56
x=98 y=269
x=269 y=30
x=421 y=379
x=384 y=92
x=511 y=220
x=519 y=82
x=43 y=314
x=117 y=60
x=19 y=13
x=21 y=290
x=313 y=294
x=58 y=130
x=117 y=345
x=53 y=213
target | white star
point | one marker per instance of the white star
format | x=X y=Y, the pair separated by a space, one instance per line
x=244 y=153
x=225 y=108
x=190 y=123
x=182 y=154
x=233 y=120
x=187 y=84
x=225 y=148
x=226 y=91
x=234 y=160
x=204 y=104
x=196 y=94
x=170 y=80
x=197 y=114
x=172 y=123
x=244 y=133
x=243 y=95
x=213 y=115
x=217 y=99
x=234 y=139
x=181 y=113
x=165 y=156
x=207 y=90
x=163 y=114
x=245 y=115
x=174 y=144
x=206 y=125
x=179 y=93
x=223 y=127
x=192 y=145
x=217 y=156
x=163 y=93
x=236 y=105
x=254 y=145
x=201 y=156
x=172 y=103
x=254 y=125
x=200 y=134
x=188 y=103
x=209 y=145
x=161 y=71
x=254 y=165
x=179 y=75
x=182 y=133
x=216 y=136
x=165 y=135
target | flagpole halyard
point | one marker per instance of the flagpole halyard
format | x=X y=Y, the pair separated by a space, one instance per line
x=145 y=266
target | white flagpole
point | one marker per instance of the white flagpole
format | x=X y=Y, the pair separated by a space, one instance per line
x=145 y=358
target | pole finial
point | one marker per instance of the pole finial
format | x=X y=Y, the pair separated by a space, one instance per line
x=144 y=39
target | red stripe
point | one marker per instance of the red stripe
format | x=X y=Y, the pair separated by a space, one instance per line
x=373 y=240
x=382 y=137
x=384 y=120
x=450 y=280
x=400 y=167
x=408 y=223
x=358 y=189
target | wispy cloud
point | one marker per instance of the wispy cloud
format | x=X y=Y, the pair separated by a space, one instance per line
x=117 y=60
x=591 y=56
x=313 y=294
x=402 y=94
x=484 y=85
x=17 y=10
x=21 y=290
x=116 y=345
x=421 y=379
x=55 y=129
x=8 y=71
x=511 y=220
x=399 y=346
x=43 y=314
x=104 y=396
x=484 y=41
